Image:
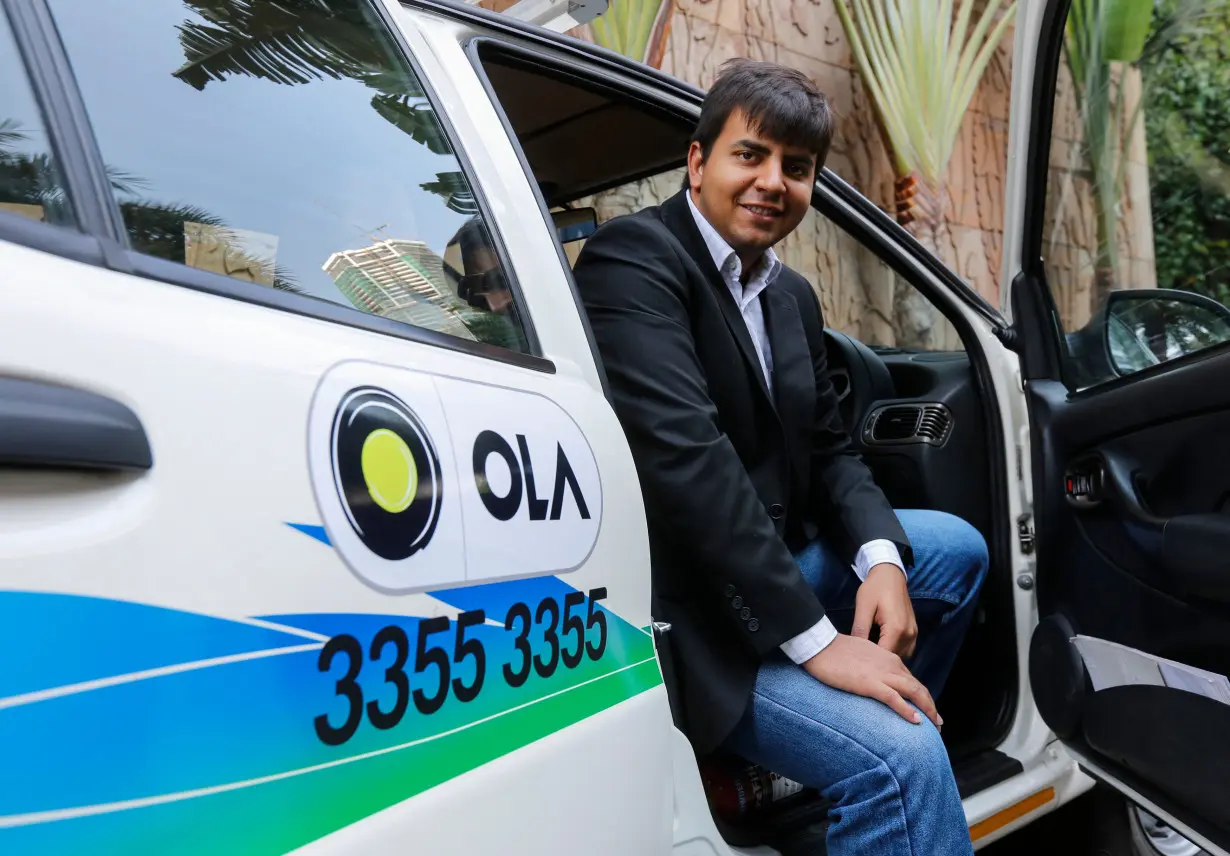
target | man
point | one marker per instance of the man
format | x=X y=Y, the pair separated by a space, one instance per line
x=716 y=363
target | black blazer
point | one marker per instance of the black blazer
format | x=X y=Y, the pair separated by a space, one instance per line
x=734 y=479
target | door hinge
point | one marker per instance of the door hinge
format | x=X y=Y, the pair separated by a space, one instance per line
x=1025 y=532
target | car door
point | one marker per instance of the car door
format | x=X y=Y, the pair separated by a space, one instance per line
x=316 y=530
x=1128 y=392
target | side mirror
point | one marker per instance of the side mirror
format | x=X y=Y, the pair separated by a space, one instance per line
x=1144 y=327
x=575 y=224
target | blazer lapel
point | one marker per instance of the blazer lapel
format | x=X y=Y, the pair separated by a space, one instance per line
x=678 y=218
x=794 y=381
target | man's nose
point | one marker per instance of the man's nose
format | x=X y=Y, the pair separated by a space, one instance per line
x=770 y=178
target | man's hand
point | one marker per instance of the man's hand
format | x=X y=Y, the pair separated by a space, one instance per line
x=860 y=667
x=883 y=599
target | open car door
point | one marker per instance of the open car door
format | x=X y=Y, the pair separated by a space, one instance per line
x=1128 y=393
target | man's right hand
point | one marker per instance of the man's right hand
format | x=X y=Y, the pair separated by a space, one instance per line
x=861 y=667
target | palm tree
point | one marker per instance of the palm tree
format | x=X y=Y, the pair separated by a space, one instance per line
x=153 y=228
x=920 y=63
x=294 y=42
x=297 y=41
x=1105 y=40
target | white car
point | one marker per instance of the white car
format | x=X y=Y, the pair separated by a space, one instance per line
x=318 y=533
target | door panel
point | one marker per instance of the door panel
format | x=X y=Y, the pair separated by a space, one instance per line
x=1140 y=560
x=1126 y=374
x=224 y=644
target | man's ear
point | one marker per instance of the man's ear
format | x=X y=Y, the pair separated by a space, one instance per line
x=696 y=164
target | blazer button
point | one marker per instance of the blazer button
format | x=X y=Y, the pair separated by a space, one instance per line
x=737 y=603
x=745 y=613
x=776 y=510
x=730 y=591
x=753 y=625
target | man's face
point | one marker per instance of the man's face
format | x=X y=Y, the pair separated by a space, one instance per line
x=754 y=190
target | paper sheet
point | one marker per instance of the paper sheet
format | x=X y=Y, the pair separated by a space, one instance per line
x=1112 y=665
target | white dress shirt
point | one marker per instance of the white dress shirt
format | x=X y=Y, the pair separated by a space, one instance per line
x=816 y=638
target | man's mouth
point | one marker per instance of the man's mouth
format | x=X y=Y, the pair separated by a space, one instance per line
x=763 y=210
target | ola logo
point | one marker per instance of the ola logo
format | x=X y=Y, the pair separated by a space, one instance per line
x=386 y=472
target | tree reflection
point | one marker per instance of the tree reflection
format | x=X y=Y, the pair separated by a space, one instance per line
x=31 y=179
x=297 y=41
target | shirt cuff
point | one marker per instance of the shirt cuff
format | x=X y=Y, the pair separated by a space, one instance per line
x=810 y=642
x=878 y=552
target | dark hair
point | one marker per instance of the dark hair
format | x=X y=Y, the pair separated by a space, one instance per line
x=780 y=103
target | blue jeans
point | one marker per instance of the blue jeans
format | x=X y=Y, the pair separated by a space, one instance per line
x=889 y=781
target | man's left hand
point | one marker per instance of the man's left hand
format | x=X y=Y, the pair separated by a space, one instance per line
x=884 y=600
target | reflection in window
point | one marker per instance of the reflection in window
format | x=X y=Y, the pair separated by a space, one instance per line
x=1138 y=196
x=288 y=144
x=30 y=184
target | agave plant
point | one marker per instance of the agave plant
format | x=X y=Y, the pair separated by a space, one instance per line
x=920 y=62
x=638 y=29
x=921 y=65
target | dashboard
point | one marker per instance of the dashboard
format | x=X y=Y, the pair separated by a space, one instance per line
x=918 y=422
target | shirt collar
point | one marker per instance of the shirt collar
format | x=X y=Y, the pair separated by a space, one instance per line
x=726 y=260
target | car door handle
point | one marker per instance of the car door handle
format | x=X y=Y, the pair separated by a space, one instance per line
x=1100 y=480
x=44 y=425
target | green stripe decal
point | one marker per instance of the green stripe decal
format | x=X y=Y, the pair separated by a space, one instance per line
x=212 y=748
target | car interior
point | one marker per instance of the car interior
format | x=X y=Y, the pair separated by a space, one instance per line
x=920 y=419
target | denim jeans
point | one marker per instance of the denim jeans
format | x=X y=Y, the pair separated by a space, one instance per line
x=889 y=781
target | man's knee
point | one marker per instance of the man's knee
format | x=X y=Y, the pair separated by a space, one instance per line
x=914 y=754
x=951 y=544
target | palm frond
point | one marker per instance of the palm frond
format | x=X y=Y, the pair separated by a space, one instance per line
x=292 y=42
x=453 y=188
x=123 y=181
x=416 y=119
x=628 y=26
x=921 y=63
x=11 y=134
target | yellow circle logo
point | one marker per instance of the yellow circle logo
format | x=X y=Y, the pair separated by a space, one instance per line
x=389 y=470
x=386 y=472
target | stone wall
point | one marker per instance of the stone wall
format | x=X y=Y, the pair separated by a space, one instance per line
x=807 y=34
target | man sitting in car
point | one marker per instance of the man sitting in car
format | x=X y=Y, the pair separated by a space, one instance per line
x=774 y=552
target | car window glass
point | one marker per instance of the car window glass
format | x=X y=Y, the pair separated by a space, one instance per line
x=30 y=184
x=860 y=294
x=1137 y=234
x=289 y=145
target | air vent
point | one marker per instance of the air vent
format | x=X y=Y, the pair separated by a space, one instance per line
x=934 y=424
x=909 y=423
x=895 y=424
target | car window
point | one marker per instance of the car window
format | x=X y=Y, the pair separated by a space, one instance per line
x=30 y=184
x=288 y=145
x=1137 y=235
x=860 y=294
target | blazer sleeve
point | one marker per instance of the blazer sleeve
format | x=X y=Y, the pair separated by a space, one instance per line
x=697 y=493
x=841 y=482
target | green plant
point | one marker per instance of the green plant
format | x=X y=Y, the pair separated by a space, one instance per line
x=1187 y=125
x=920 y=62
x=1104 y=41
x=296 y=41
x=638 y=29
